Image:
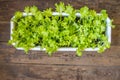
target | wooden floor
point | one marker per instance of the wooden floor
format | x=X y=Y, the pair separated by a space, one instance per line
x=15 y=65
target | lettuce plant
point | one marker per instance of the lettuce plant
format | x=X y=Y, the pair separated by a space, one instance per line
x=42 y=28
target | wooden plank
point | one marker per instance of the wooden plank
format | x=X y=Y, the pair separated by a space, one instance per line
x=4 y=31
x=57 y=72
x=116 y=36
x=111 y=57
x=10 y=4
x=8 y=7
x=15 y=65
x=112 y=7
x=99 y=73
x=36 y=72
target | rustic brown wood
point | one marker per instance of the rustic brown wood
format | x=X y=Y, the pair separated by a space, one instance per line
x=37 y=65
x=116 y=36
x=57 y=72
x=108 y=58
x=4 y=31
x=12 y=6
x=112 y=6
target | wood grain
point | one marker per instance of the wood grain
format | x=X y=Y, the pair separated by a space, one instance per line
x=116 y=36
x=37 y=65
x=112 y=6
x=57 y=72
x=4 y=31
x=11 y=6
x=108 y=58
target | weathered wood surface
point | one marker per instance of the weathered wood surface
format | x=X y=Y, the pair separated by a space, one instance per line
x=15 y=65
x=57 y=72
x=108 y=58
x=8 y=7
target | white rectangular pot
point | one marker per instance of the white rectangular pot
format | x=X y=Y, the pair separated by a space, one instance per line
x=108 y=34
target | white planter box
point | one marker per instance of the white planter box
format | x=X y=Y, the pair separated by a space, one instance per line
x=108 y=34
